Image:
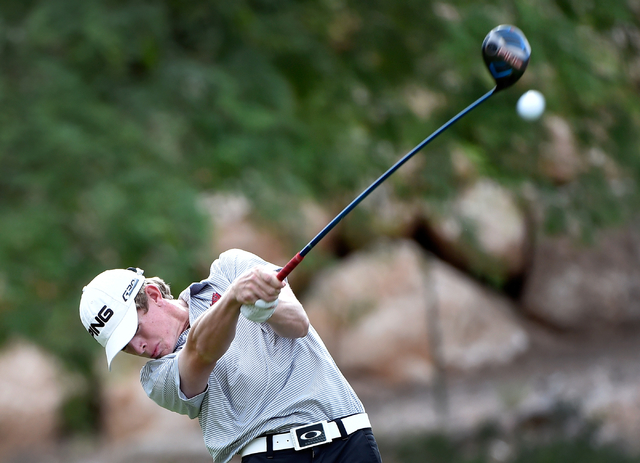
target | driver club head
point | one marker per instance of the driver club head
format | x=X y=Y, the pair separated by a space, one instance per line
x=506 y=53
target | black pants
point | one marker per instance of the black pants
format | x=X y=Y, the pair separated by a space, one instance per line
x=359 y=447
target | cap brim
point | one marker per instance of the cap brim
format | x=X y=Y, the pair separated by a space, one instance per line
x=123 y=333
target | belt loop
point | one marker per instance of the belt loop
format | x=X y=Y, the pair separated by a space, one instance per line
x=341 y=428
x=269 y=439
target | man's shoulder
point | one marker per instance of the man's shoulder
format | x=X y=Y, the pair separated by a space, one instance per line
x=234 y=261
x=196 y=288
x=235 y=254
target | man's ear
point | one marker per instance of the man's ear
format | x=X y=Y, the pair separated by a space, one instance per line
x=153 y=293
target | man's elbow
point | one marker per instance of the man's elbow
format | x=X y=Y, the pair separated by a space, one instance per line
x=303 y=329
x=299 y=329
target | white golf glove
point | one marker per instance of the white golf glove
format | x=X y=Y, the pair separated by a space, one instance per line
x=259 y=312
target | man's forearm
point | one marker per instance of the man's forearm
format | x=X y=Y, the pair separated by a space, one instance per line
x=208 y=340
x=289 y=319
x=212 y=333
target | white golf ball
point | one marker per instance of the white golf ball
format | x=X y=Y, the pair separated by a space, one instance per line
x=531 y=105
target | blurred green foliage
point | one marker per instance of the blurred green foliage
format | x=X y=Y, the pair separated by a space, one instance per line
x=115 y=115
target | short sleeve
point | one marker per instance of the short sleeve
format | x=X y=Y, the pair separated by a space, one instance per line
x=161 y=381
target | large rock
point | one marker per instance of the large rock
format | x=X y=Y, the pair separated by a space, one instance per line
x=235 y=227
x=137 y=429
x=560 y=159
x=581 y=286
x=479 y=327
x=32 y=391
x=235 y=224
x=395 y=314
x=484 y=231
x=556 y=391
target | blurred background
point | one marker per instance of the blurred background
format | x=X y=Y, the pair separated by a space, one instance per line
x=484 y=302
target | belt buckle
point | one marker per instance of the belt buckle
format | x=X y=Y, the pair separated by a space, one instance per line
x=310 y=435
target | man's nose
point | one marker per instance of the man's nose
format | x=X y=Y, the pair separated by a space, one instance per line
x=139 y=346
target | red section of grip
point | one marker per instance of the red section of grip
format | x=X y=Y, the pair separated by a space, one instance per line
x=286 y=270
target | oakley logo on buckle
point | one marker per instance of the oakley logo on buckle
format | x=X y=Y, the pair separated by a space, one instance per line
x=310 y=435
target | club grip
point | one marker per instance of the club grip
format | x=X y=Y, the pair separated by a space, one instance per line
x=286 y=270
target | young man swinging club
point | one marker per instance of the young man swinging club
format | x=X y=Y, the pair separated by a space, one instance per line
x=262 y=384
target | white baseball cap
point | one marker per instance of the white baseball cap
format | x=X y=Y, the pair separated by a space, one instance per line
x=108 y=309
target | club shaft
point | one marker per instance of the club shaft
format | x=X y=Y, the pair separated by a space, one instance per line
x=293 y=263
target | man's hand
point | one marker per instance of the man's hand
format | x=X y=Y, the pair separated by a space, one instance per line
x=286 y=316
x=263 y=308
x=258 y=283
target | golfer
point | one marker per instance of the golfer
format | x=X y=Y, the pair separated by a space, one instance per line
x=236 y=351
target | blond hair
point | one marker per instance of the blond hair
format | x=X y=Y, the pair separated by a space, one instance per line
x=142 y=300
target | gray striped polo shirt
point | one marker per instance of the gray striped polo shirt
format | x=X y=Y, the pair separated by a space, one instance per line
x=263 y=383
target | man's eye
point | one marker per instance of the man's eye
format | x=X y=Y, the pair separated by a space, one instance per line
x=137 y=331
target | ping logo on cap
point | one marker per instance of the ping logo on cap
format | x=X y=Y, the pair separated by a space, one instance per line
x=127 y=292
x=101 y=319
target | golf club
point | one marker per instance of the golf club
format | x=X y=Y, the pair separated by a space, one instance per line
x=506 y=53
